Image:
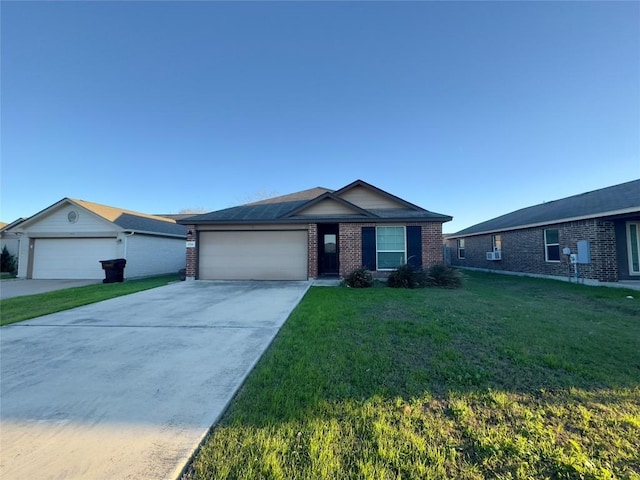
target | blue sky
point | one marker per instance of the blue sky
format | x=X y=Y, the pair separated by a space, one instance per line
x=471 y=109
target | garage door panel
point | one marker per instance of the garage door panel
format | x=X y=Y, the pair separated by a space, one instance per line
x=62 y=258
x=255 y=255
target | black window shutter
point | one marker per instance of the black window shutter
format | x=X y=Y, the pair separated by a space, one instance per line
x=369 y=248
x=414 y=246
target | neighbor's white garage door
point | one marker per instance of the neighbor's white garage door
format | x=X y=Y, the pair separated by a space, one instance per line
x=71 y=257
x=255 y=255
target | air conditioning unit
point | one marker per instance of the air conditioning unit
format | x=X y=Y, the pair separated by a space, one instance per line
x=495 y=255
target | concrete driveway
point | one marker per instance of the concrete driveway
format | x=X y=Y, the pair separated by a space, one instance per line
x=127 y=388
x=20 y=287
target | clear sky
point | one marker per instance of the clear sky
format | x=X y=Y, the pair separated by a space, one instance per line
x=471 y=109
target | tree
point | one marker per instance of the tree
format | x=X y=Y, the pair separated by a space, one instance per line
x=193 y=210
x=8 y=262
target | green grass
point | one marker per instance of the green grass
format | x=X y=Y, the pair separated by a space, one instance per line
x=6 y=276
x=505 y=378
x=30 y=306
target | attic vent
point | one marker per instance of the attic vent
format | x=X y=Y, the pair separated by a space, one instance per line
x=72 y=216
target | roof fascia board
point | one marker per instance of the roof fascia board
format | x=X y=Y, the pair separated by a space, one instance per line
x=551 y=222
x=97 y=234
x=8 y=227
x=361 y=183
x=333 y=197
x=328 y=219
x=156 y=234
x=59 y=204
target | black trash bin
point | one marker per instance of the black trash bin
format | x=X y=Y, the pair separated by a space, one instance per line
x=113 y=270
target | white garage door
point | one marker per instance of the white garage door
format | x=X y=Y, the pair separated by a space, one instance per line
x=255 y=255
x=72 y=257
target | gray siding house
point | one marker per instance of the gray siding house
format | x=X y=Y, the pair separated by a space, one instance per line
x=68 y=239
x=595 y=234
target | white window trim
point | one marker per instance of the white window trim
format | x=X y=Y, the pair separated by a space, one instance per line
x=546 y=250
x=404 y=236
x=629 y=258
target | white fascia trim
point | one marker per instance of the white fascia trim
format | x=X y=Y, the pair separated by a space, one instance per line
x=156 y=234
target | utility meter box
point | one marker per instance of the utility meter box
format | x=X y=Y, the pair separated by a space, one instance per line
x=584 y=255
x=573 y=258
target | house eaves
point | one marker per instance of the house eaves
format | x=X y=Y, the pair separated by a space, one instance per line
x=605 y=202
x=612 y=213
x=11 y=225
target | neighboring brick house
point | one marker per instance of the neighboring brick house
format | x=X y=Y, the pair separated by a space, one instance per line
x=313 y=233
x=600 y=228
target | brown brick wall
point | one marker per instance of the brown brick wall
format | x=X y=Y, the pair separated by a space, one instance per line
x=350 y=239
x=192 y=256
x=312 y=251
x=431 y=244
x=350 y=247
x=523 y=250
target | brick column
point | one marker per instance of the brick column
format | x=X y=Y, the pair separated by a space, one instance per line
x=192 y=255
x=431 y=244
x=350 y=246
x=312 y=251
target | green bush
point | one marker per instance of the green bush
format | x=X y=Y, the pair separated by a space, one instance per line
x=443 y=276
x=8 y=263
x=406 y=276
x=359 y=278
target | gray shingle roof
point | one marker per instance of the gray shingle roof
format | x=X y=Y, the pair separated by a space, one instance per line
x=146 y=224
x=603 y=202
x=247 y=213
x=270 y=211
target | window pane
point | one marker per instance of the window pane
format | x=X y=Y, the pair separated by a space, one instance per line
x=551 y=236
x=390 y=238
x=390 y=260
x=497 y=242
x=553 y=252
x=329 y=243
x=635 y=253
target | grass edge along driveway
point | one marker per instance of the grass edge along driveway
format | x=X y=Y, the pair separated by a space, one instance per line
x=505 y=378
x=17 y=309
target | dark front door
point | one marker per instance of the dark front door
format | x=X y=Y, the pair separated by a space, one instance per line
x=328 y=249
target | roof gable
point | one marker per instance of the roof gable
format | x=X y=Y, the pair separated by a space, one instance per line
x=329 y=205
x=108 y=217
x=370 y=203
x=614 y=200
x=368 y=197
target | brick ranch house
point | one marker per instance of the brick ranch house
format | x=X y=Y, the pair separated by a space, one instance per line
x=600 y=228
x=313 y=233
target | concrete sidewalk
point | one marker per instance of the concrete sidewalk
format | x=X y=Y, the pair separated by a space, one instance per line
x=19 y=287
x=127 y=388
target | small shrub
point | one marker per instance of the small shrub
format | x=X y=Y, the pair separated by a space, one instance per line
x=443 y=276
x=8 y=262
x=406 y=276
x=359 y=278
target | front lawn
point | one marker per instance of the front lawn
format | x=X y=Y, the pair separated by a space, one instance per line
x=30 y=306
x=505 y=378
